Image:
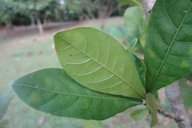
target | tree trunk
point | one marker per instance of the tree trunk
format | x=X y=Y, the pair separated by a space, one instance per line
x=89 y=12
x=102 y=13
x=39 y=25
x=106 y=9
x=32 y=20
x=9 y=25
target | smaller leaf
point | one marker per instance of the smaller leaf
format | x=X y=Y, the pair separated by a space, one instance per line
x=5 y=99
x=152 y=105
x=139 y=113
x=97 y=61
x=54 y=92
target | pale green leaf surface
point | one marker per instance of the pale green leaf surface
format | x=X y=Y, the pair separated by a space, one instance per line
x=135 y=22
x=168 y=53
x=117 y=32
x=97 y=61
x=54 y=92
x=139 y=112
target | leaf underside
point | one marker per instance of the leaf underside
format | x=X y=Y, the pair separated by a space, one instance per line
x=96 y=61
x=54 y=92
x=169 y=46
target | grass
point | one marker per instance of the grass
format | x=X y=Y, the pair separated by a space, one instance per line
x=26 y=54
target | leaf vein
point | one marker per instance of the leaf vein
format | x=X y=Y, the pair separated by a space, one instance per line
x=71 y=94
x=125 y=81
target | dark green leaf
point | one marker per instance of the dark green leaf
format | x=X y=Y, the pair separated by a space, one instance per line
x=140 y=65
x=97 y=61
x=169 y=46
x=54 y=92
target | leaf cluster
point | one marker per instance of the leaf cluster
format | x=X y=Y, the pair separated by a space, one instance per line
x=100 y=78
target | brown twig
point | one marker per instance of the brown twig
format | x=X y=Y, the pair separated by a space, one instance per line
x=173 y=95
x=170 y=116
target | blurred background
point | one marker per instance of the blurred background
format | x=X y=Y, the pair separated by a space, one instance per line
x=26 y=45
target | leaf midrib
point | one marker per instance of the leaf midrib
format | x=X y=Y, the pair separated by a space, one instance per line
x=71 y=94
x=128 y=83
x=154 y=80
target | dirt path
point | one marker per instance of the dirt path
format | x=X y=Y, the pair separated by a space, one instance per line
x=25 y=31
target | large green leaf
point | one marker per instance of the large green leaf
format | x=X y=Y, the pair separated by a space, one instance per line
x=97 y=61
x=168 y=54
x=54 y=92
